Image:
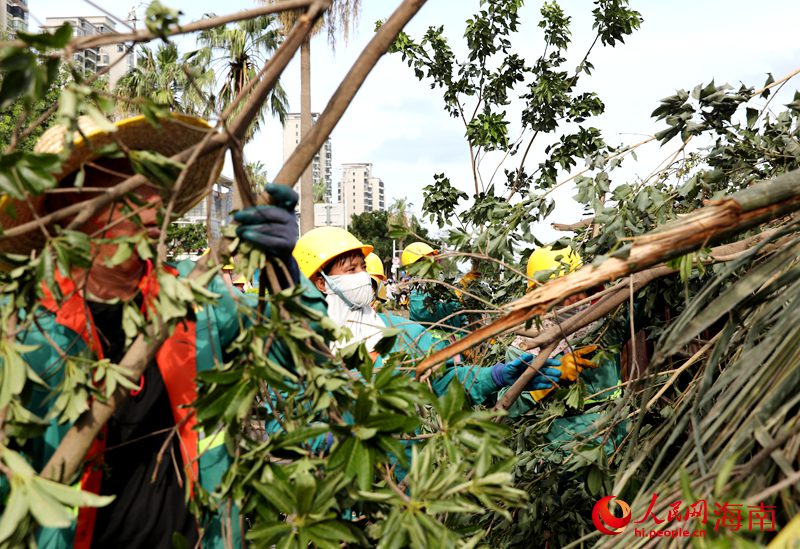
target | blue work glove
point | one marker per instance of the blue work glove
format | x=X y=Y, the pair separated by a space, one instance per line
x=506 y=374
x=272 y=229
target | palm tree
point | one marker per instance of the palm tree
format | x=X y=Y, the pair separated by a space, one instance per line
x=235 y=54
x=166 y=78
x=338 y=20
x=320 y=191
x=399 y=216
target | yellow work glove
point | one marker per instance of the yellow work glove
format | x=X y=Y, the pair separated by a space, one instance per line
x=570 y=367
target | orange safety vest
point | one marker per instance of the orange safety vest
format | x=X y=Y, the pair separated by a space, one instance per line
x=176 y=360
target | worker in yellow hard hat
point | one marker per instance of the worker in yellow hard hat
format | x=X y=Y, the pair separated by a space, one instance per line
x=422 y=307
x=577 y=357
x=240 y=283
x=336 y=263
x=376 y=272
x=416 y=251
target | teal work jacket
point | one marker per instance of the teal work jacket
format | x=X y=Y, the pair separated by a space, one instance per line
x=195 y=346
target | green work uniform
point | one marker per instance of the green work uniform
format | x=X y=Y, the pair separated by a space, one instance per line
x=195 y=346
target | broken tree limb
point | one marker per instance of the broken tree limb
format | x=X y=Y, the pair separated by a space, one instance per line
x=719 y=219
x=547 y=339
x=567 y=227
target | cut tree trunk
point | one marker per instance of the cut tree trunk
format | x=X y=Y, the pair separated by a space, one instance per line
x=306 y=181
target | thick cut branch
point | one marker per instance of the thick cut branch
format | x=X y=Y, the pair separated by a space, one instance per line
x=740 y=211
x=67 y=458
x=618 y=295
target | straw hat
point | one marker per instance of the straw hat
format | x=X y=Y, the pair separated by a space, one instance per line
x=178 y=132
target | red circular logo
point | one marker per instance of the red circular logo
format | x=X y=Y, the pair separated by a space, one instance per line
x=604 y=519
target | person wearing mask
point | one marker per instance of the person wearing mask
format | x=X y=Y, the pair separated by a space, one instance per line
x=433 y=313
x=379 y=283
x=84 y=317
x=335 y=262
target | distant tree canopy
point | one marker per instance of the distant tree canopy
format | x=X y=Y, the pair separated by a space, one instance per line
x=184 y=238
x=373 y=228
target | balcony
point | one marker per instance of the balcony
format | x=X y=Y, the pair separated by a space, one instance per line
x=17 y=24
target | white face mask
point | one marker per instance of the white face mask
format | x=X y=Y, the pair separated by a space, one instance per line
x=349 y=300
x=354 y=290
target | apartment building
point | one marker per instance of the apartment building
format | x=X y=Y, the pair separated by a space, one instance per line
x=321 y=167
x=359 y=190
x=13 y=17
x=93 y=60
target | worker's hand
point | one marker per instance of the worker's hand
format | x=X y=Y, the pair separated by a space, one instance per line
x=272 y=229
x=572 y=364
x=506 y=374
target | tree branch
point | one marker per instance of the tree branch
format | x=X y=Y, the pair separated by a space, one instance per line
x=740 y=211
x=144 y=35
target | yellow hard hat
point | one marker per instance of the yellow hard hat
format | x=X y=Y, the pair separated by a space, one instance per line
x=318 y=246
x=548 y=259
x=241 y=280
x=375 y=266
x=466 y=281
x=415 y=251
x=380 y=287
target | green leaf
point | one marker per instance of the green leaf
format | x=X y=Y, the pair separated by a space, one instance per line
x=46 y=40
x=45 y=509
x=276 y=495
x=16 y=508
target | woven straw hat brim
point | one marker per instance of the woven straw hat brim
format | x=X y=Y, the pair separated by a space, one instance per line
x=176 y=134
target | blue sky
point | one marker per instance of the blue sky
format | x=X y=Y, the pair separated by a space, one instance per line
x=397 y=122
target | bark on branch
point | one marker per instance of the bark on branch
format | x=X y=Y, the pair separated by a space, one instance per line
x=566 y=227
x=762 y=202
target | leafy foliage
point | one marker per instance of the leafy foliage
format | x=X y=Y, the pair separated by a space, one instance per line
x=185 y=238
x=696 y=429
x=372 y=228
x=325 y=447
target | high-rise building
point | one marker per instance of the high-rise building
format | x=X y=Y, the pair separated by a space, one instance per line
x=321 y=168
x=359 y=191
x=13 y=17
x=93 y=60
x=376 y=184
